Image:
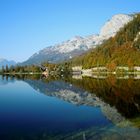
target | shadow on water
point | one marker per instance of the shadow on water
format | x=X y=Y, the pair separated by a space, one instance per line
x=118 y=99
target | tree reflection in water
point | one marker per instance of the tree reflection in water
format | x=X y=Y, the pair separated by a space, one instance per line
x=118 y=98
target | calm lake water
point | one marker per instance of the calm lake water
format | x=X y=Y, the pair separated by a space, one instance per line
x=78 y=108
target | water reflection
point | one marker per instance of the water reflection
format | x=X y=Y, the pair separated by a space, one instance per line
x=118 y=99
x=123 y=94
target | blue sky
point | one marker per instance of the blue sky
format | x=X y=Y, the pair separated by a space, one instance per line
x=27 y=26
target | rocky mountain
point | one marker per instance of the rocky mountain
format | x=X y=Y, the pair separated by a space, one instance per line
x=4 y=62
x=78 y=44
x=112 y=26
x=123 y=49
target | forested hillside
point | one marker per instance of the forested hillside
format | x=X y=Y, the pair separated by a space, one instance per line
x=121 y=50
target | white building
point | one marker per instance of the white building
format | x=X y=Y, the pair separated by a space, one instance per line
x=136 y=68
x=77 y=68
x=99 y=69
x=122 y=68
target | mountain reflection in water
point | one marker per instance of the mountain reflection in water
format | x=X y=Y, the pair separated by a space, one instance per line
x=118 y=99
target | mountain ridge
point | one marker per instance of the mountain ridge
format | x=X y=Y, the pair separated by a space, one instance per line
x=4 y=62
x=78 y=45
x=123 y=49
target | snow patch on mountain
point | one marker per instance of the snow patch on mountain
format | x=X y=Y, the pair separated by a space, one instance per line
x=78 y=44
x=113 y=26
x=84 y=43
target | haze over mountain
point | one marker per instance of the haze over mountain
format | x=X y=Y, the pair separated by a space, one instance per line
x=4 y=62
x=78 y=44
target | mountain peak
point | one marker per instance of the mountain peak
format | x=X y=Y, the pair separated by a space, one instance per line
x=76 y=38
x=4 y=62
x=78 y=45
x=114 y=24
x=2 y=59
x=120 y=16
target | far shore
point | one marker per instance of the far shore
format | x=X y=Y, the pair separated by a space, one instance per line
x=78 y=73
x=18 y=73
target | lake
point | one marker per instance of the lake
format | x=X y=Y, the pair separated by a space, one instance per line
x=69 y=108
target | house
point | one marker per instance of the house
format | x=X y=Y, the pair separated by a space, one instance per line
x=136 y=68
x=136 y=76
x=122 y=68
x=87 y=72
x=77 y=70
x=45 y=70
x=99 y=69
